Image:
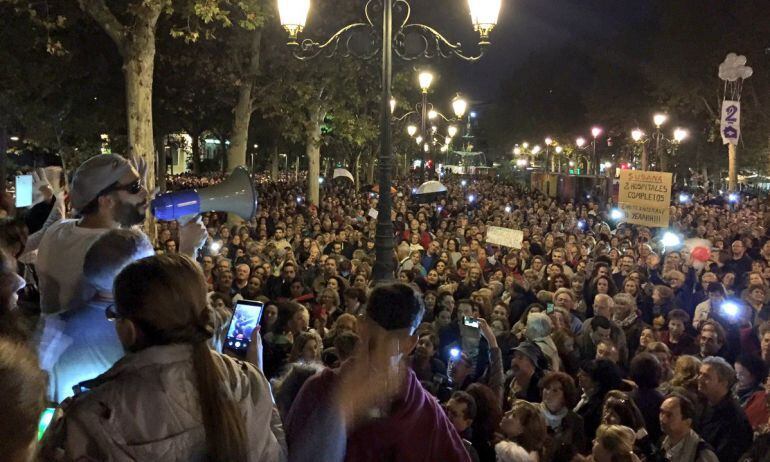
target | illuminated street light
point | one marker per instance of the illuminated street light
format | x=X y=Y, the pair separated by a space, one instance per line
x=659 y=119
x=411 y=130
x=459 y=106
x=432 y=114
x=580 y=142
x=559 y=149
x=596 y=131
x=637 y=135
x=525 y=145
x=425 y=78
x=680 y=134
x=536 y=149
x=452 y=130
x=426 y=147
x=517 y=151
x=392 y=105
x=418 y=139
x=548 y=141
x=293 y=15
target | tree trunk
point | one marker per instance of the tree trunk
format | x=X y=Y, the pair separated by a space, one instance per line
x=196 y=151
x=239 y=138
x=274 y=164
x=356 y=168
x=313 y=151
x=3 y=156
x=162 y=165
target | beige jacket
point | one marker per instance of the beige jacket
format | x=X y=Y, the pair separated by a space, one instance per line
x=145 y=408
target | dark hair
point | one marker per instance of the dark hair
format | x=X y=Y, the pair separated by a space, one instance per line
x=395 y=306
x=571 y=395
x=470 y=403
x=286 y=312
x=679 y=315
x=645 y=370
x=622 y=405
x=686 y=406
x=716 y=288
x=345 y=343
x=756 y=366
x=489 y=412
x=355 y=292
x=22 y=397
x=600 y=321
x=288 y=385
x=605 y=373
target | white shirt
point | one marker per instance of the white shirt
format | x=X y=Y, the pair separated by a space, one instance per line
x=60 y=265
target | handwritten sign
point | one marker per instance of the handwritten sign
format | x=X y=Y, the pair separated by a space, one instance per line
x=730 y=124
x=505 y=237
x=645 y=197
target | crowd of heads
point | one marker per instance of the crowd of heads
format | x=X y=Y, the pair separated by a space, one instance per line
x=590 y=339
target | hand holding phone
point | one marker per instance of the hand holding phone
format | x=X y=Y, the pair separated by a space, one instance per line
x=246 y=317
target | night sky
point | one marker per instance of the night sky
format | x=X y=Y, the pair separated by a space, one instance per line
x=525 y=27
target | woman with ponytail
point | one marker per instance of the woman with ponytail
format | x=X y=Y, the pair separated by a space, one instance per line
x=171 y=398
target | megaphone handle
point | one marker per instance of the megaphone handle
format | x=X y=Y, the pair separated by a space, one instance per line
x=183 y=220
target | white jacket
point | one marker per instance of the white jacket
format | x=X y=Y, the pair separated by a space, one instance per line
x=146 y=408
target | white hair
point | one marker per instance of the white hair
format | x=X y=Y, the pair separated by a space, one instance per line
x=508 y=451
x=538 y=326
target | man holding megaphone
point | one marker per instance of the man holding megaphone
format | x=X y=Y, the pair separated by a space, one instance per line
x=108 y=192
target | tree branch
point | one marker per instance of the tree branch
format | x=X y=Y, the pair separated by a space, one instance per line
x=98 y=10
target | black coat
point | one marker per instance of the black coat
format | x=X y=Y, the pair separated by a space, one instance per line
x=572 y=431
x=726 y=428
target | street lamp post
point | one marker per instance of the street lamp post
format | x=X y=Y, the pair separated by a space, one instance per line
x=658 y=120
x=548 y=143
x=595 y=132
x=639 y=137
x=425 y=80
x=293 y=14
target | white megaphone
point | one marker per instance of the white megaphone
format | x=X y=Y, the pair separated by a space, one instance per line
x=236 y=195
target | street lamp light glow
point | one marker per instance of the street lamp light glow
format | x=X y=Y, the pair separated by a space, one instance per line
x=507 y=209
x=411 y=130
x=432 y=114
x=392 y=105
x=637 y=135
x=596 y=131
x=484 y=15
x=659 y=119
x=426 y=147
x=580 y=142
x=559 y=149
x=444 y=148
x=680 y=134
x=418 y=139
x=525 y=145
x=447 y=140
x=517 y=151
x=548 y=141
x=535 y=149
x=425 y=78
x=452 y=130
x=607 y=165
x=459 y=106
x=293 y=15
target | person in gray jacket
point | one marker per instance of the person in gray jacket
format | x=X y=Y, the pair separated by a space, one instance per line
x=171 y=398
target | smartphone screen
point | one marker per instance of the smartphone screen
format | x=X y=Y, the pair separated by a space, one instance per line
x=23 y=191
x=471 y=322
x=45 y=421
x=549 y=308
x=245 y=318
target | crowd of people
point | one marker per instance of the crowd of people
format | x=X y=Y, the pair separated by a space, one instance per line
x=592 y=341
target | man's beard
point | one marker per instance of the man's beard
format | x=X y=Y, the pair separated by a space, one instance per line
x=128 y=215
